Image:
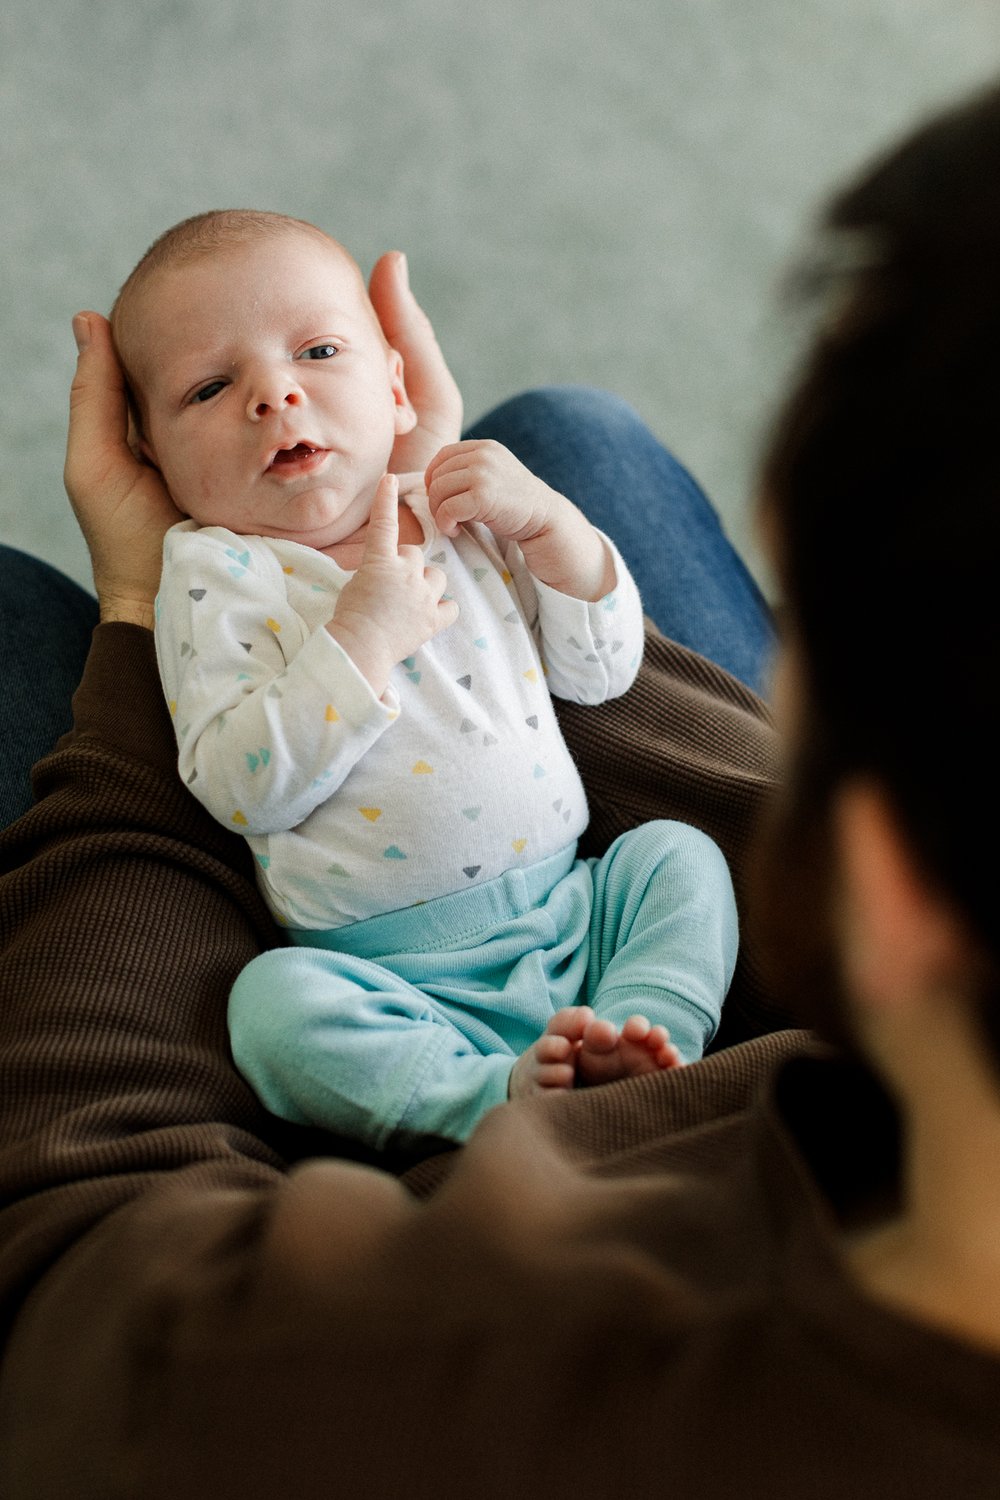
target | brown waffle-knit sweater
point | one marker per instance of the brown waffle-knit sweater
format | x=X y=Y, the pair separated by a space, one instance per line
x=622 y=1291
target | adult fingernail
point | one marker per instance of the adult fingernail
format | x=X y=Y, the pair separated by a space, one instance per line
x=81 y=332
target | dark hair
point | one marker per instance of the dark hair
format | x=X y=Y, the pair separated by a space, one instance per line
x=881 y=490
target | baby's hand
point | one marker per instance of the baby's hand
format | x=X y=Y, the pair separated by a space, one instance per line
x=393 y=605
x=481 y=480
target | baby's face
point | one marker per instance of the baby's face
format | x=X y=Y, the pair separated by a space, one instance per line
x=271 y=402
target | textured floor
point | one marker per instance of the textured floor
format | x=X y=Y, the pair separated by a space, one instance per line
x=604 y=192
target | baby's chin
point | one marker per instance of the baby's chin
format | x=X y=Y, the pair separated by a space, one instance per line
x=317 y=517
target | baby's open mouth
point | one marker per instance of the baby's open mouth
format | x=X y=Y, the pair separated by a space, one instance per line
x=293 y=455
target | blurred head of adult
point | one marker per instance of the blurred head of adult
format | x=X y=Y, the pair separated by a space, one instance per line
x=880 y=492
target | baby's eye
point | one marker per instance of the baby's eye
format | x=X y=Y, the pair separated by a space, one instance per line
x=208 y=391
x=320 y=351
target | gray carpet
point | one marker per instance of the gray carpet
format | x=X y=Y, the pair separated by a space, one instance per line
x=603 y=192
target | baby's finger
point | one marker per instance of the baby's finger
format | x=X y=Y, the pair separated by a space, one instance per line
x=450 y=479
x=449 y=454
x=436 y=580
x=450 y=514
x=447 y=613
x=382 y=536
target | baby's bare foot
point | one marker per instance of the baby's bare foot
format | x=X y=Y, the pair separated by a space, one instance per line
x=606 y=1054
x=550 y=1063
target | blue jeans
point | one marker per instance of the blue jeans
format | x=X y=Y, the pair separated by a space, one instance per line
x=46 y=622
x=587 y=444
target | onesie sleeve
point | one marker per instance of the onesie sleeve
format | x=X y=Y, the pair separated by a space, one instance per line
x=269 y=716
x=591 y=651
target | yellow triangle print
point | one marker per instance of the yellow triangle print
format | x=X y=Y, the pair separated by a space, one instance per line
x=371 y=813
x=173 y=707
x=506 y=576
x=273 y=625
x=331 y=714
x=240 y=818
x=531 y=674
x=423 y=769
x=519 y=845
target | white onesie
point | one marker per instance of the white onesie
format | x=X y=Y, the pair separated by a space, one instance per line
x=354 y=805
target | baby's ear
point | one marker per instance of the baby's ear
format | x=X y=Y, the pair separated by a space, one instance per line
x=406 y=417
x=136 y=437
x=140 y=446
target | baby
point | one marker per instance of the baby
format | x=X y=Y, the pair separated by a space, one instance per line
x=359 y=667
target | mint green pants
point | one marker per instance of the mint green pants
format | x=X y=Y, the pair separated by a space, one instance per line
x=408 y=1024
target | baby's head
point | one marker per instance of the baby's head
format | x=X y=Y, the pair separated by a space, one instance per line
x=263 y=386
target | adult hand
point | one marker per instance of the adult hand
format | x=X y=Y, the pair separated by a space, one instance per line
x=429 y=383
x=121 y=504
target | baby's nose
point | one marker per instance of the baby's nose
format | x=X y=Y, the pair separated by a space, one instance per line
x=272 y=396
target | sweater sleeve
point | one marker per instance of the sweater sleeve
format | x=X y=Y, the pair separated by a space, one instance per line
x=125 y=914
x=270 y=716
x=183 y=1314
